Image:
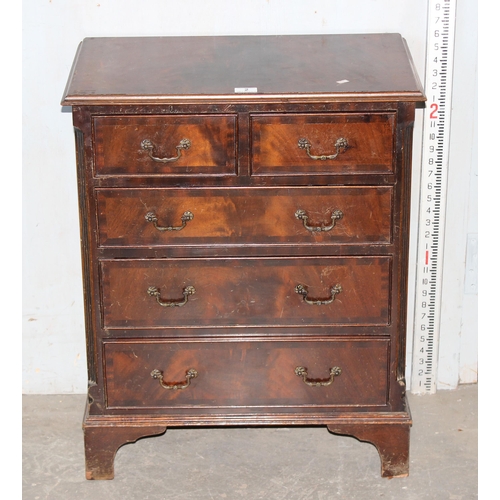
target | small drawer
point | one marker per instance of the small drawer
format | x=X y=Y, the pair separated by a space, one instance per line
x=156 y=145
x=257 y=216
x=326 y=144
x=220 y=374
x=169 y=293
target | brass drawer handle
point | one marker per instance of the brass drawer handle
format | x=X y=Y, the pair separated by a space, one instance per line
x=185 y=218
x=302 y=215
x=158 y=375
x=155 y=292
x=340 y=146
x=148 y=146
x=302 y=372
x=302 y=290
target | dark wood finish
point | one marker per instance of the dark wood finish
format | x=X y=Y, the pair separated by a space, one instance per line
x=245 y=216
x=249 y=374
x=391 y=440
x=118 y=145
x=275 y=140
x=102 y=443
x=245 y=330
x=252 y=291
x=117 y=70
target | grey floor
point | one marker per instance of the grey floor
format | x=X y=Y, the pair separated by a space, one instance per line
x=246 y=463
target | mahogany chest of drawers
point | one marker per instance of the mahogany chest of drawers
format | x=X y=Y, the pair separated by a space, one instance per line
x=244 y=206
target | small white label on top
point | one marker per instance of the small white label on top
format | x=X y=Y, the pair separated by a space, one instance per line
x=245 y=90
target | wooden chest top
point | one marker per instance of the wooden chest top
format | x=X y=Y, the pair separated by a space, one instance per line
x=241 y=68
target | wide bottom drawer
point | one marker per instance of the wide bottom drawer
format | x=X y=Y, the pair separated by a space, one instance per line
x=217 y=374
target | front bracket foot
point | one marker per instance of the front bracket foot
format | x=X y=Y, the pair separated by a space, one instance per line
x=391 y=440
x=102 y=443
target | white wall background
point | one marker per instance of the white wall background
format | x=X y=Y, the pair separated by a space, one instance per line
x=53 y=331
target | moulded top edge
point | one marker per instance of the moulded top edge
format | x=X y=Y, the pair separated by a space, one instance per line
x=114 y=100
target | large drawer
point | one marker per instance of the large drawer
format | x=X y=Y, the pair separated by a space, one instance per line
x=156 y=145
x=357 y=143
x=274 y=373
x=155 y=217
x=158 y=293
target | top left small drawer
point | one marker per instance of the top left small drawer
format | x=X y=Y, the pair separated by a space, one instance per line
x=172 y=145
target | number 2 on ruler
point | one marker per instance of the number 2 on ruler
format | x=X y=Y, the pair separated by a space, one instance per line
x=434 y=109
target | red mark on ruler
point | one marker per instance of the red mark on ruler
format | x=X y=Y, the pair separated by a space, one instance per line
x=434 y=111
x=427 y=257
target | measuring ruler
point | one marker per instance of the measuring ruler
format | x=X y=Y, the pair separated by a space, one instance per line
x=433 y=185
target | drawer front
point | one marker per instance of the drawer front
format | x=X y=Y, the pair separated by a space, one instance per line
x=165 y=145
x=155 y=217
x=246 y=373
x=154 y=293
x=356 y=143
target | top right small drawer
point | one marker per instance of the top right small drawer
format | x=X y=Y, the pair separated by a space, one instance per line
x=323 y=144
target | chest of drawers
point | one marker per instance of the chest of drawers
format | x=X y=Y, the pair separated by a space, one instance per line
x=244 y=207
